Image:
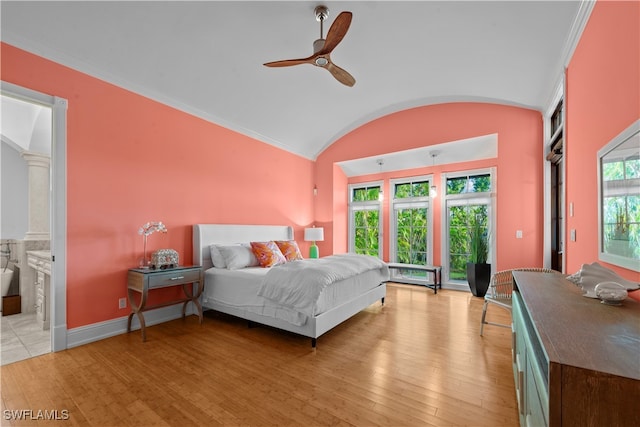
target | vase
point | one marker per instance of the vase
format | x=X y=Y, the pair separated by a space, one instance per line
x=144 y=261
x=478 y=276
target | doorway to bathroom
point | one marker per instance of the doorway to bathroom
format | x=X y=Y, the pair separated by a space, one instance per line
x=32 y=222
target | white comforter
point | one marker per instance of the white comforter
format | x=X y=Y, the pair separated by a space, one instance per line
x=298 y=284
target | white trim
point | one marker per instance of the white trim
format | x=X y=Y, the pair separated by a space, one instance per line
x=577 y=28
x=59 y=222
x=558 y=97
x=110 y=328
x=58 y=212
x=571 y=43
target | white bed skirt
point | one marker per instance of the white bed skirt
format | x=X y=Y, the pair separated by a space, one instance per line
x=315 y=326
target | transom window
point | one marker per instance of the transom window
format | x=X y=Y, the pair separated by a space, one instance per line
x=469 y=184
x=365 y=194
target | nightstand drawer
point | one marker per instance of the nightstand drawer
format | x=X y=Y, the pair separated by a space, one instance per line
x=171 y=278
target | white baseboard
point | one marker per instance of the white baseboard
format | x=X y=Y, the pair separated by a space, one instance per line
x=58 y=337
x=101 y=330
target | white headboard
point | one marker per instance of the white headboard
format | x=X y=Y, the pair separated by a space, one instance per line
x=206 y=234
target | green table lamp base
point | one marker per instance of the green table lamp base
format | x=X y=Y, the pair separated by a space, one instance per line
x=313 y=251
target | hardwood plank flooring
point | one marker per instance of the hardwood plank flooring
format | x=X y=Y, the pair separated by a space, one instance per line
x=416 y=361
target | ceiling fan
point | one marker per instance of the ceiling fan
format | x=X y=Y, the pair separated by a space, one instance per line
x=322 y=48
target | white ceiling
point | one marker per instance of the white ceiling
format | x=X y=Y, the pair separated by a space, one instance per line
x=206 y=57
x=463 y=150
x=25 y=126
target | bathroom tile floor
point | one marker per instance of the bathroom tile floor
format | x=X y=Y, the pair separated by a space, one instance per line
x=22 y=338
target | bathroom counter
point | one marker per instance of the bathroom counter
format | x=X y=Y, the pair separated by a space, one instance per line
x=44 y=255
x=40 y=261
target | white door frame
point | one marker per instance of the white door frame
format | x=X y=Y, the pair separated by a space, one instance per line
x=58 y=196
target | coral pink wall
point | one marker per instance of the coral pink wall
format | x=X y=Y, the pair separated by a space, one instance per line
x=602 y=99
x=131 y=160
x=339 y=228
x=519 y=168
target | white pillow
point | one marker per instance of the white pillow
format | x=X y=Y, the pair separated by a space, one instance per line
x=238 y=256
x=216 y=256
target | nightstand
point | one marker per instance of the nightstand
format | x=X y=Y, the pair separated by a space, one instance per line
x=141 y=281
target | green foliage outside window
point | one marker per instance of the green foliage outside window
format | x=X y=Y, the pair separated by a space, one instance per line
x=622 y=169
x=621 y=207
x=366 y=221
x=469 y=184
x=463 y=219
x=411 y=243
x=412 y=226
x=366 y=194
x=366 y=232
x=412 y=189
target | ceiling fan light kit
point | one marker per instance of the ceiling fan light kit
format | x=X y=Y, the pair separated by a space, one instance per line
x=323 y=47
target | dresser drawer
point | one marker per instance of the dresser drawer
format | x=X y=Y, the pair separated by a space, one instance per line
x=171 y=278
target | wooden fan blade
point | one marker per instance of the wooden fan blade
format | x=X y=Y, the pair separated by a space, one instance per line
x=341 y=75
x=290 y=62
x=337 y=32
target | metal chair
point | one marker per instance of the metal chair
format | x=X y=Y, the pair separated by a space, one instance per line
x=499 y=292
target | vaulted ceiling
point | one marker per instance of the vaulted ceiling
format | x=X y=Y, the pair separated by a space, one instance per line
x=205 y=57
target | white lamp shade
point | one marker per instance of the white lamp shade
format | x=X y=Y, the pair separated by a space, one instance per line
x=315 y=234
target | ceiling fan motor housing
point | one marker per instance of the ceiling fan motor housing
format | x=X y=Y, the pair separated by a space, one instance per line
x=322 y=13
x=320 y=61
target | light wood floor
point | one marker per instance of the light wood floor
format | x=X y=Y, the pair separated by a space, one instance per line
x=417 y=361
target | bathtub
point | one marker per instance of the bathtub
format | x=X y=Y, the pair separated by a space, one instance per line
x=6 y=280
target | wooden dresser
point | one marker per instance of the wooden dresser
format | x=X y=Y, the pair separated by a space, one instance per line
x=576 y=361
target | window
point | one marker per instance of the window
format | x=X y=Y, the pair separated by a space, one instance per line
x=411 y=225
x=365 y=224
x=468 y=201
x=621 y=203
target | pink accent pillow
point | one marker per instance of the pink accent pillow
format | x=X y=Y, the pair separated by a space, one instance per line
x=268 y=253
x=289 y=249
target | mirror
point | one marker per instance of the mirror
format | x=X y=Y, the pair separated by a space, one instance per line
x=619 y=199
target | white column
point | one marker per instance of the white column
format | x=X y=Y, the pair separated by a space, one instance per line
x=39 y=187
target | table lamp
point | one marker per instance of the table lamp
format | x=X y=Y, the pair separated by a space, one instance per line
x=315 y=234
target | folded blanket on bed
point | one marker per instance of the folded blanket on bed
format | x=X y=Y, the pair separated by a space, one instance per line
x=298 y=284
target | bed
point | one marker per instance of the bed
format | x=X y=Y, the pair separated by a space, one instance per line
x=236 y=291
